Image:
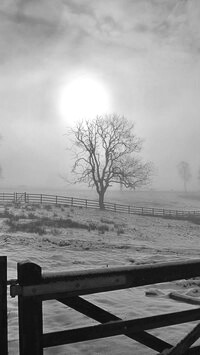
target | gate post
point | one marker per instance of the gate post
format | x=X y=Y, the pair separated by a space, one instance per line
x=30 y=311
x=3 y=306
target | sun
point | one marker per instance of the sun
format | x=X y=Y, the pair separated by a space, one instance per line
x=83 y=97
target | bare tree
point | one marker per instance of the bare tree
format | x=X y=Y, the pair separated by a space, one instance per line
x=184 y=172
x=105 y=154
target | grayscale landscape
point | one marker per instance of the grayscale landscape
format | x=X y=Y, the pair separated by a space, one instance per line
x=99 y=100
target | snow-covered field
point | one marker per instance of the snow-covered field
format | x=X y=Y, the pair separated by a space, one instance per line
x=101 y=239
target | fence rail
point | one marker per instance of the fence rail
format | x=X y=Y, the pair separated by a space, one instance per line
x=34 y=287
x=18 y=197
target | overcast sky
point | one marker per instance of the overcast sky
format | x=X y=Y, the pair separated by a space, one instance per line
x=144 y=54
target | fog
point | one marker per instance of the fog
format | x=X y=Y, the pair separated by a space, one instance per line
x=146 y=54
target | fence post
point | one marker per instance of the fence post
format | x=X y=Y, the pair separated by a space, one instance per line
x=30 y=311
x=72 y=201
x=3 y=306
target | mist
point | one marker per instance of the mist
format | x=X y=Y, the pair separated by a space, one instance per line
x=145 y=52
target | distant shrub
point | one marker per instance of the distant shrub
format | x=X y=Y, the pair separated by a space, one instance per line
x=123 y=246
x=36 y=206
x=55 y=231
x=63 y=243
x=38 y=224
x=64 y=223
x=7 y=213
x=119 y=225
x=120 y=230
x=31 y=215
x=103 y=228
x=189 y=218
x=30 y=227
x=92 y=226
x=60 y=243
x=47 y=207
x=131 y=260
x=32 y=207
x=17 y=204
x=61 y=223
x=14 y=217
x=45 y=239
x=106 y=220
x=62 y=206
x=194 y=219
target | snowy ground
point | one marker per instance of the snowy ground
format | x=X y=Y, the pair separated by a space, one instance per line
x=99 y=239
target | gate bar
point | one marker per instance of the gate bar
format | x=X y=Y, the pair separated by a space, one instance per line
x=182 y=347
x=119 y=327
x=102 y=316
x=30 y=312
x=74 y=283
x=3 y=306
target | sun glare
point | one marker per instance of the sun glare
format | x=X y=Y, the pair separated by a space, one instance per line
x=83 y=97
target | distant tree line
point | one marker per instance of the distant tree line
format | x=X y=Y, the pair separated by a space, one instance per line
x=185 y=174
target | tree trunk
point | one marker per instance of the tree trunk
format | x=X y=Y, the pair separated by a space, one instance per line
x=101 y=201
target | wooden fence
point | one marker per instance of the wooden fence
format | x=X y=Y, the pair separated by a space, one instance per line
x=34 y=287
x=18 y=197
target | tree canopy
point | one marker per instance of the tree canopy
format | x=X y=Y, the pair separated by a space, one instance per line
x=107 y=153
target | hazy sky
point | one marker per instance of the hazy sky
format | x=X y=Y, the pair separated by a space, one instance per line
x=141 y=56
